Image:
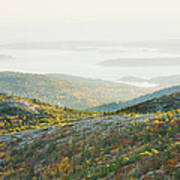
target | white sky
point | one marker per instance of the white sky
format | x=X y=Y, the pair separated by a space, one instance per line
x=120 y=20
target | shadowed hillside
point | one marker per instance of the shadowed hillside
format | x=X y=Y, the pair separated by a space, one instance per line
x=167 y=102
x=118 y=106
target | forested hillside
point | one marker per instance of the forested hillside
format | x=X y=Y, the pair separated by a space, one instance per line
x=17 y=114
x=167 y=102
x=62 y=90
x=124 y=145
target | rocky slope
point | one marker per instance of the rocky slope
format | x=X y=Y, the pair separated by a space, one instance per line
x=124 y=145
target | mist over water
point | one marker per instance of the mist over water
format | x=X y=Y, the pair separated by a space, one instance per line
x=84 y=62
x=81 y=21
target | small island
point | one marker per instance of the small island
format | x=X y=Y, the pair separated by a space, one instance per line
x=141 y=62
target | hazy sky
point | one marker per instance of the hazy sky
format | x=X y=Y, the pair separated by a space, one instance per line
x=120 y=20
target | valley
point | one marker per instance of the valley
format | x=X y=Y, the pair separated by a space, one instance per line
x=68 y=116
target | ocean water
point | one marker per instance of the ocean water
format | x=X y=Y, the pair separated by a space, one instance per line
x=84 y=62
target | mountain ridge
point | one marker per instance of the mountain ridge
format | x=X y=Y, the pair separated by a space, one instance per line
x=118 y=106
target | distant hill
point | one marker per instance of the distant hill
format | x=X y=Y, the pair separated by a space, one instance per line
x=119 y=106
x=132 y=79
x=70 y=91
x=90 y=83
x=165 y=81
x=160 y=81
x=141 y=62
